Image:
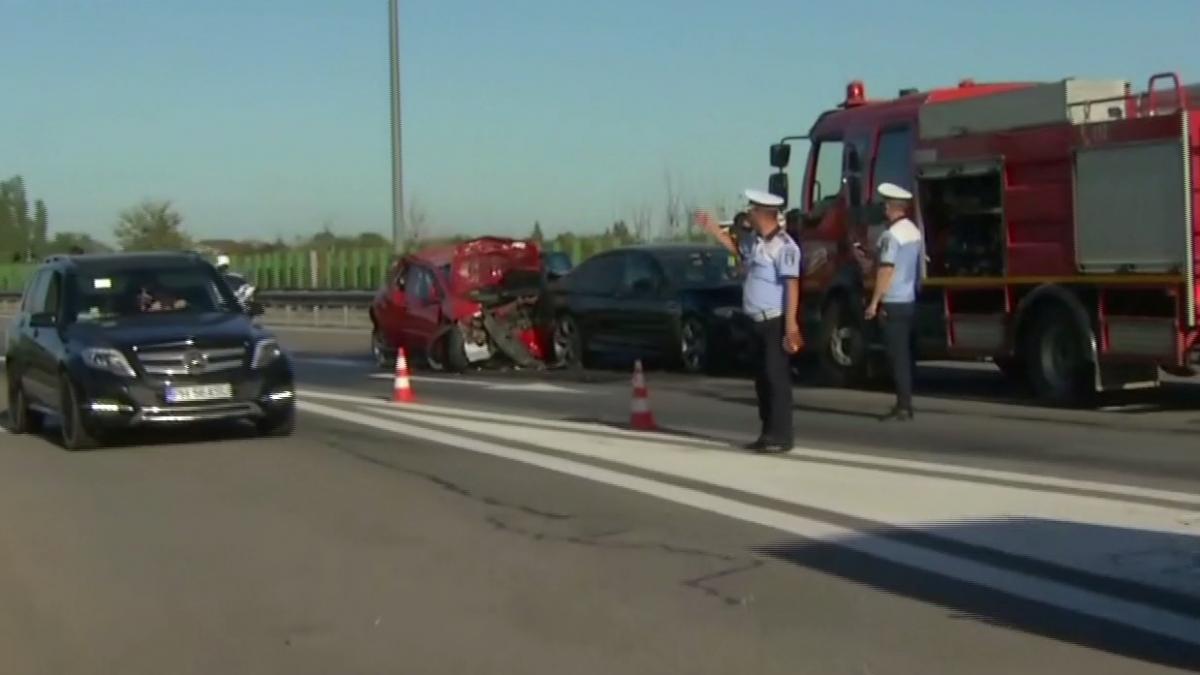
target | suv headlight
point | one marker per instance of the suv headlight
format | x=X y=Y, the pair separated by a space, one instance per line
x=266 y=352
x=108 y=360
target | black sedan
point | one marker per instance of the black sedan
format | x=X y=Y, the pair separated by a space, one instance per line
x=679 y=305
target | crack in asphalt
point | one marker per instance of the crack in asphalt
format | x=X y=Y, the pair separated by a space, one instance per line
x=735 y=564
x=700 y=583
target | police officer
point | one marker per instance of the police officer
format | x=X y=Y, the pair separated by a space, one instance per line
x=770 y=297
x=894 y=298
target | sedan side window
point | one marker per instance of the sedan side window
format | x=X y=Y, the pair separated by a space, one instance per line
x=642 y=274
x=600 y=275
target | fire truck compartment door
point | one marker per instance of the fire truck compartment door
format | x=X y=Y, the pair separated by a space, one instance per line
x=1132 y=209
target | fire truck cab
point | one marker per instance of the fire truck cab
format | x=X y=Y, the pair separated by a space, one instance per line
x=1060 y=225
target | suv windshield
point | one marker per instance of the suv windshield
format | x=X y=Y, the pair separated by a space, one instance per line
x=699 y=269
x=123 y=293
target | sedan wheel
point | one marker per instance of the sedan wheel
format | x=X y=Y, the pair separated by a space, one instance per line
x=568 y=343
x=693 y=347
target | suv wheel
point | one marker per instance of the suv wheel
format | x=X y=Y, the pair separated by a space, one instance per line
x=278 y=425
x=21 y=420
x=75 y=434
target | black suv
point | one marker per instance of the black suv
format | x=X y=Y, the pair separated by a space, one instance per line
x=143 y=339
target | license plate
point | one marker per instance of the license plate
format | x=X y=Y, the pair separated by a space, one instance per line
x=200 y=392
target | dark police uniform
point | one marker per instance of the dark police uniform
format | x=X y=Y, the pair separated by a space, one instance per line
x=769 y=263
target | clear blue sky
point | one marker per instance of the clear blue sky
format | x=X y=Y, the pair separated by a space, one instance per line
x=270 y=117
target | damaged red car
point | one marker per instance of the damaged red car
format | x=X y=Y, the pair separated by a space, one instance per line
x=478 y=303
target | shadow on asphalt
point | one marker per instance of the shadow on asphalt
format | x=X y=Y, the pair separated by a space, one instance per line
x=1162 y=555
x=212 y=432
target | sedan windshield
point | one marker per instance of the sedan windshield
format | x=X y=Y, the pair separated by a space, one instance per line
x=124 y=293
x=700 y=269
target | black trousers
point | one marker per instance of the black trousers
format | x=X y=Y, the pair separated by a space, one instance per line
x=773 y=381
x=898 y=335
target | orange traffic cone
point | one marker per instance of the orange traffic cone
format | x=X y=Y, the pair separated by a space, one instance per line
x=402 y=386
x=640 y=417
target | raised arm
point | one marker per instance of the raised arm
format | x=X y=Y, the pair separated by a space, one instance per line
x=710 y=225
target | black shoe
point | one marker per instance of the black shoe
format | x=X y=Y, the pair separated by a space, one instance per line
x=898 y=415
x=774 y=448
x=756 y=446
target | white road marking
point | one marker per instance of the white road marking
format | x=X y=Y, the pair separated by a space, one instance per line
x=1093 y=534
x=1115 y=490
x=490 y=385
x=520 y=420
x=1132 y=614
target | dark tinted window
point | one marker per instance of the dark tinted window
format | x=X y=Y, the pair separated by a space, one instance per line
x=641 y=268
x=602 y=274
x=827 y=173
x=107 y=294
x=419 y=284
x=53 y=297
x=35 y=293
x=893 y=162
x=699 y=269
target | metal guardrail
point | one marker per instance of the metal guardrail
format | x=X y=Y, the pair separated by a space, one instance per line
x=314 y=309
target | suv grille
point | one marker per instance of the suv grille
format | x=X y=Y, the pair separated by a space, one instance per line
x=185 y=359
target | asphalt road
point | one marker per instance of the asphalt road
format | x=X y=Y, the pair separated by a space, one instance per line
x=509 y=523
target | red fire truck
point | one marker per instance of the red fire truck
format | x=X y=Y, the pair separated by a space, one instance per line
x=1060 y=222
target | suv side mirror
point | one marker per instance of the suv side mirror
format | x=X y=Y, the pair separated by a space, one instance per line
x=781 y=155
x=778 y=186
x=43 y=320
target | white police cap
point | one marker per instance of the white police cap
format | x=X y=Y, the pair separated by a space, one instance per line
x=760 y=198
x=893 y=191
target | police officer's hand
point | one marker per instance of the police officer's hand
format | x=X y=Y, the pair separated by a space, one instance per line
x=793 y=339
x=706 y=222
x=872 y=311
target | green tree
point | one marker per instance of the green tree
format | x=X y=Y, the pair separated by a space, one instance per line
x=67 y=242
x=537 y=235
x=21 y=236
x=41 y=225
x=152 y=226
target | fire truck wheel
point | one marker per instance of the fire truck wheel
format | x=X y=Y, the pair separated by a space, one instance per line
x=843 y=345
x=1012 y=368
x=1058 y=367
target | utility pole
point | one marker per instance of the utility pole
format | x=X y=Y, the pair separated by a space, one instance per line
x=398 y=228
